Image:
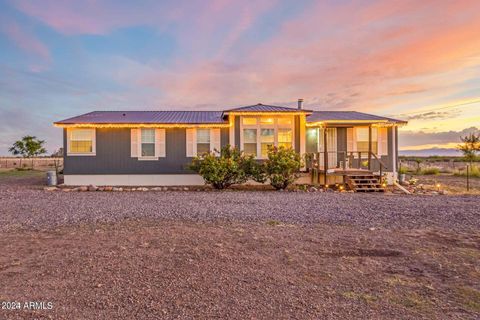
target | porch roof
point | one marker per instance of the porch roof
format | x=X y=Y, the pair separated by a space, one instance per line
x=349 y=117
x=264 y=108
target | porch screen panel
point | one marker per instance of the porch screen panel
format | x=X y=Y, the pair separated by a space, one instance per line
x=331 y=147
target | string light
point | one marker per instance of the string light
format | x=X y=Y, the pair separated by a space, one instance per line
x=140 y=125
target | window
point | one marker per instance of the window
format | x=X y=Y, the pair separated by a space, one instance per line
x=249 y=121
x=266 y=120
x=250 y=141
x=285 y=138
x=261 y=133
x=285 y=121
x=81 y=141
x=148 y=142
x=267 y=140
x=312 y=140
x=362 y=139
x=203 y=141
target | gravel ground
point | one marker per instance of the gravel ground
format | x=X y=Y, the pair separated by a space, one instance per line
x=237 y=254
x=31 y=207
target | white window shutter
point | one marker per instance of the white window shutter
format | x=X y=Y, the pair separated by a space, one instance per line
x=160 y=143
x=134 y=143
x=382 y=138
x=191 y=142
x=215 y=140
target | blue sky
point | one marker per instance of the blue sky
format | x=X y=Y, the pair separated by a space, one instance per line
x=415 y=60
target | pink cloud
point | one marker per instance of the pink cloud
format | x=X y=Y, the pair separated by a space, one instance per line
x=349 y=56
x=26 y=40
x=356 y=55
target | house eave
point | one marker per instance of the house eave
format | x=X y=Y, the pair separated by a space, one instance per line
x=141 y=125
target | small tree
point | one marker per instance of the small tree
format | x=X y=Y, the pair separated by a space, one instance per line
x=28 y=147
x=470 y=146
x=221 y=171
x=282 y=167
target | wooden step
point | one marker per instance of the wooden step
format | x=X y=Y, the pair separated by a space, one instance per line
x=364 y=182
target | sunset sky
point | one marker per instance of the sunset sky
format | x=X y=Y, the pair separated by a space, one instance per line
x=413 y=60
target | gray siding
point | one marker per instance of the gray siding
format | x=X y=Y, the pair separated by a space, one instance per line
x=113 y=155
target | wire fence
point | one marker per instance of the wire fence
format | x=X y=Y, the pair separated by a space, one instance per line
x=34 y=163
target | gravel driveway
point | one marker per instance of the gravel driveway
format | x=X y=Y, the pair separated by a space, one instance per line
x=30 y=207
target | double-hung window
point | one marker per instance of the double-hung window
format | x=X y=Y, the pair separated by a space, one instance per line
x=250 y=141
x=81 y=141
x=258 y=134
x=148 y=143
x=203 y=141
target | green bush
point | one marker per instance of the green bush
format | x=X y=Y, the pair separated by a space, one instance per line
x=229 y=168
x=402 y=170
x=429 y=171
x=473 y=172
x=282 y=166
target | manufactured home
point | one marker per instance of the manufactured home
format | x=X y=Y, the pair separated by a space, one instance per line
x=154 y=148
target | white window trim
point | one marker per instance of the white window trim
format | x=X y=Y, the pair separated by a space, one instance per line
x=94 y=143
x=259 y=126
x=139 y=147
x=215 y=141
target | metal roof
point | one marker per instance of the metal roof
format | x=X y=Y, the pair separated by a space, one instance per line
x=265 y=108
x=212 y=117
x=347 y=116
x=147 y=117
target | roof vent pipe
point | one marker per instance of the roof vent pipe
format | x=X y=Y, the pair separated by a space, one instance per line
x=300 y=103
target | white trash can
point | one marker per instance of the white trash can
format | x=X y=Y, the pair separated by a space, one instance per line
x=51 y=178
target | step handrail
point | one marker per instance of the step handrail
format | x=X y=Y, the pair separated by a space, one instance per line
x=382 y=165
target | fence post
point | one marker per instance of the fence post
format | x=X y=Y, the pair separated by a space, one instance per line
x=468 y=177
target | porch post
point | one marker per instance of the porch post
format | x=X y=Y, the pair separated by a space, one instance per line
x=369 y=147
x=325 y=155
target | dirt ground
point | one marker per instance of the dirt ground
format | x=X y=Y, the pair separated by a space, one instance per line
x=449 y=182
x=181 y=269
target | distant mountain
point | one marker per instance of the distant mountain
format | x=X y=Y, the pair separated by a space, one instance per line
x=431 y=152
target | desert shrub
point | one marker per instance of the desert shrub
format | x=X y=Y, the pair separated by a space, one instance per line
x=254 y=169
x=229 y=167
x=24 y=168
x=282 y=167
x=473 y=172
x=429 y=171
x=402 y=170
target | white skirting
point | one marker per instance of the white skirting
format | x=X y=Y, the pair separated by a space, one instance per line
x=133 y=180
